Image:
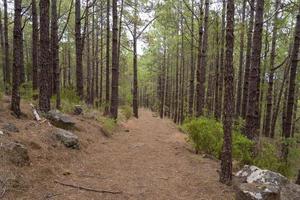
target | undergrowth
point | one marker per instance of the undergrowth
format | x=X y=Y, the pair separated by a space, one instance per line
x=206 y=135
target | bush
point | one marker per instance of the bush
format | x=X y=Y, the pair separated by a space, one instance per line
x=126 y=111
x=108 y=125
x=206 y=134
x=69 y=99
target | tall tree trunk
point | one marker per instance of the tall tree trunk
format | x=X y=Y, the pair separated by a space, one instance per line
x=192 y=72
x=115 y=67
x=203 y=63
x=6 y=52
x=176 y=98
x=101 y=54
x=292 y=83
x=88 y=56
x=217 y=73
x=78 y=43
x=198 y=72
x=135 y=79
x=107 y=81
x=17 y=64
x=252 y=117
x=54 y=53
x=162 y=81
x=248 y=60
x=226 y=158
x=2 y=50
x=269 y=96
x=45 y=64
x=241 y=63
x=35 y=45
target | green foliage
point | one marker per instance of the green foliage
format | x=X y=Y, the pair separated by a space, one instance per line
x=206 y=134
x=108 y=125
x=126 y=111
x=69 y=99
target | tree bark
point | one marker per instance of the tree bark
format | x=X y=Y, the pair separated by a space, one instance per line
x=226 y=158
x=17 y=64
x=135 y=79
x=45 y=63
x=35 y=45
x=107 y=80
x=78 y=43
x=6 y=52
x=252 y=117
x=292 y=83
x=192 y=72
x=248 y=60
x=115 y=66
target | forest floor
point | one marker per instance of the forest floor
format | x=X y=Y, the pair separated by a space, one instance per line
x=146 y=159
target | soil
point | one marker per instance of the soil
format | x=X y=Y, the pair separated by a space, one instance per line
x=146 y=159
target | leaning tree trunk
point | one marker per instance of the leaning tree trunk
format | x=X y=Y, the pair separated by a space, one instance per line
x=226 y=157
x=45 y=87
x=252 y=117
x=115 y=67
x=17 y=64
x=292 y=83
x=35 y=45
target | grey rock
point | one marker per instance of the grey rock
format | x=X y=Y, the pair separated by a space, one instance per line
x=290 y=192
x=16 y=153
x=253 y=183
x=69 y=139
x=60 y=120
x=10 y=127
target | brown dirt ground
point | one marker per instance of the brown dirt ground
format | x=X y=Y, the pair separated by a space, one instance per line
x=146 y=159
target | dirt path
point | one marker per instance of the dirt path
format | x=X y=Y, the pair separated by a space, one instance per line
x=149 y=161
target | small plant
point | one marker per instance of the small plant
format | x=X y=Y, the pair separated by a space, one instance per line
x=126 y=111
x=108 y=126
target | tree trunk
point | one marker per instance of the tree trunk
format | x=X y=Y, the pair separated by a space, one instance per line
x=35 y=45
x=217 y=73
x=248 y=60
x=241 y=64
x=115 y=67
x=45 y=64
x=6 y=52
x=269 y=96
x=54 y=53
x=192 y=72
x=107 y=81
x=226 y=158
x=135 y=79
x=292 y=83
x=17 y=64
x=203 y=63
x=78 y=43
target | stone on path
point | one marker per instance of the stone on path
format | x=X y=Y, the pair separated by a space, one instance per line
x=69 y=139
x=16 y=153
x=60 y=120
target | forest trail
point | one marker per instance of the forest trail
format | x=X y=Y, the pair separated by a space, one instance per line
x=148 y=159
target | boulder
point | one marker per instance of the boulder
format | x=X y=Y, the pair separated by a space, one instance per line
x=10 y=127
x=69 y=139
x=78 y=110
x=253 y=183
x=60 y=120
x=16 y=153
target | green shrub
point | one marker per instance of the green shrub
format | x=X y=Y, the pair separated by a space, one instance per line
x=26 y=91
x=69 y=99
x=205 y=134
x=242 y=148
x=126 y=111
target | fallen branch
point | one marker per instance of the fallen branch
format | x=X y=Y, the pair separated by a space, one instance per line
x=88 y=189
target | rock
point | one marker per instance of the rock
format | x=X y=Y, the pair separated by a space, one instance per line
x=16 y=153
x=290 y=192
x=9 y=127
x=69 y=139
x=253 y=183
x=78 y=110
x=60 y=120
